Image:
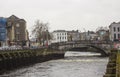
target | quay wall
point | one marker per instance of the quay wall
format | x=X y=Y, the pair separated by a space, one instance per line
x=10 y=60
x=113 y=66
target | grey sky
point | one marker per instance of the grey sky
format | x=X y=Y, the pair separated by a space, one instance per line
x=64 y=14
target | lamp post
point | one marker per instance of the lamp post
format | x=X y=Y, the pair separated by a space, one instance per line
x=85 y=33
x=47 y=38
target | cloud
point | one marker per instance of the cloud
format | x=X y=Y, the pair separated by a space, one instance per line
x=64 y=14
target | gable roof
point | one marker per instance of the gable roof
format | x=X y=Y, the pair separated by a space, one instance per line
x=13 y=17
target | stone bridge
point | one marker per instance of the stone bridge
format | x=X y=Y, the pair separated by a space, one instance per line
x=102 y=47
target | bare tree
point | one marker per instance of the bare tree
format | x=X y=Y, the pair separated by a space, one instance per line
x=40 y=30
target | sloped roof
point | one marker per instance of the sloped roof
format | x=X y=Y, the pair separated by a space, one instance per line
x=59 y=31
x=13 y=17
x=114 y=23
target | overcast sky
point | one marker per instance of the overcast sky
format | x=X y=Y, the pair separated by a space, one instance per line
x=64 y=14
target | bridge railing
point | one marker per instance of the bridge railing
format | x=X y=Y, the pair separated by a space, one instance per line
x=85 y=42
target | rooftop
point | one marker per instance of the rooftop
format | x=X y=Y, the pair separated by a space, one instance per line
x=59 y=31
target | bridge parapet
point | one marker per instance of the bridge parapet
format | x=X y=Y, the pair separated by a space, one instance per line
x=102 y=47
x=79 y=44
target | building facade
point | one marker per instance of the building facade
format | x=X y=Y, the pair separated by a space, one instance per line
x=90 y=35
x=59 y=36
x=3 y=31
x=103 y=35
x=73 y=35
x=16 y=31
x=13 y=31
x=114 y=31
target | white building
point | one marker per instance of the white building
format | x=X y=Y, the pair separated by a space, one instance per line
x=114 y=31
x=59 y=36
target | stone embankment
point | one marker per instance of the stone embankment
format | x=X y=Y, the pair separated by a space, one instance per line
x=113 y=66
x=10 y=60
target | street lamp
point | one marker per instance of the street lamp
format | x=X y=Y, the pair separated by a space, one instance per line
x=85 y=33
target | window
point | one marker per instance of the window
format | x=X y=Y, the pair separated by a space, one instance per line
x=17 y=25
x=17 y=37
x=9 y=24
x=2 y=36
x=2 y=30
x=118 y=36
x=114 y=36
x=17 y=31
x=118 y=29
x=114 y=29
x=62 y=37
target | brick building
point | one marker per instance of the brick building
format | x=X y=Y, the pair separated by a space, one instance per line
x=73 y=35
x=16 y=31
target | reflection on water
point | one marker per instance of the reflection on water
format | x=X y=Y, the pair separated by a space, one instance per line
x=67 y=67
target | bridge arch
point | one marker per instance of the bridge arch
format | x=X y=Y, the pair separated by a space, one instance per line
x=101 y=47
x=100 y=50
x=84 y=48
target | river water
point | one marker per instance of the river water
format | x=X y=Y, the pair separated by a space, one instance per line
x=75 y=64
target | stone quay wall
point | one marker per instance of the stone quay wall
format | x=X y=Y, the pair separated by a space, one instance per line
x=10 y=60
x=113 y=66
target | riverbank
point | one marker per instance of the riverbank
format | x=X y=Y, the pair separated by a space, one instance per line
x=118 y=64
x=113 y=66
x=10 y=60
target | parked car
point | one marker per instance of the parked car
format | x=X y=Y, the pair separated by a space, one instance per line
x=4 y=48
x=15 y=47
